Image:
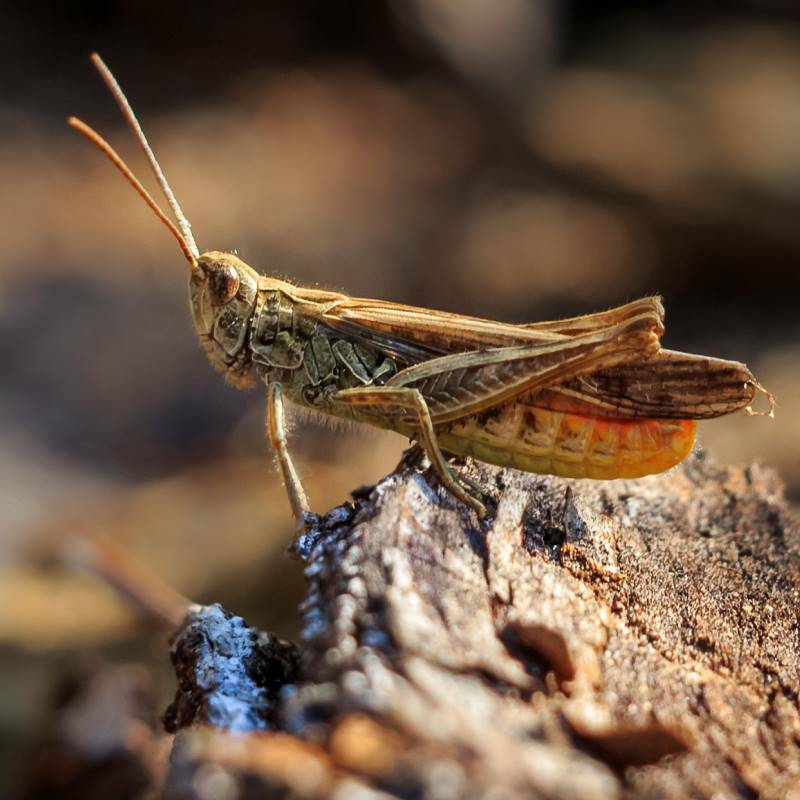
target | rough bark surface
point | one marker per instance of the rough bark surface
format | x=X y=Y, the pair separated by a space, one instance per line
x=588 y=640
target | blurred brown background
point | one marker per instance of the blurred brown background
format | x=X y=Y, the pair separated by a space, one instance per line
x=520 y=160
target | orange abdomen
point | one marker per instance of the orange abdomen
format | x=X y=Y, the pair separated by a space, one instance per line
x=519 y=435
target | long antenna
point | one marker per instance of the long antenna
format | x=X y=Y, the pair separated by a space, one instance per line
x=122 y=101
x=96 y=139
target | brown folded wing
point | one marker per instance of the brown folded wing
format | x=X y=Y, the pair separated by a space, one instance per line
x=669 y=385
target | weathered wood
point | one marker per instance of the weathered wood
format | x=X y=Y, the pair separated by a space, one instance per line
x=229 y=675
x=589 y=640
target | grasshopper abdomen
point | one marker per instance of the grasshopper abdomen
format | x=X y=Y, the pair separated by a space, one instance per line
x=570 y=445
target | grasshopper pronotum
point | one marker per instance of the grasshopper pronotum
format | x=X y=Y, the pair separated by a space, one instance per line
x=588 y=397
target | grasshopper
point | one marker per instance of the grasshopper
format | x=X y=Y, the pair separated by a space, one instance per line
x=593 y=396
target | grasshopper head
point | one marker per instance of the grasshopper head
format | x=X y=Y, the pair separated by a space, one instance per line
x=222 y=295
x=222 y=289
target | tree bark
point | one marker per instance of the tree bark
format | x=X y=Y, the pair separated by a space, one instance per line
x=588 y=640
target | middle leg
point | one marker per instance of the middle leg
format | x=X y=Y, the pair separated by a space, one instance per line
x=412 y=400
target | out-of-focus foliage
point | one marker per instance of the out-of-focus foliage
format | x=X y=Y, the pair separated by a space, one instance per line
x=508 y=159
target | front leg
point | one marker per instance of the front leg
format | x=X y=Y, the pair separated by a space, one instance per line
x=413 y=401
x=276 y=433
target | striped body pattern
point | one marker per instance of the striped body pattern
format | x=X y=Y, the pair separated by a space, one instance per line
x=570 y=445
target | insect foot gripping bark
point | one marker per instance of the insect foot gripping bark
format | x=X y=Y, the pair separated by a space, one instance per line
x=588 y=397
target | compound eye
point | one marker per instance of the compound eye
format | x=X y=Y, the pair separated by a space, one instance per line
x=223 y=283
